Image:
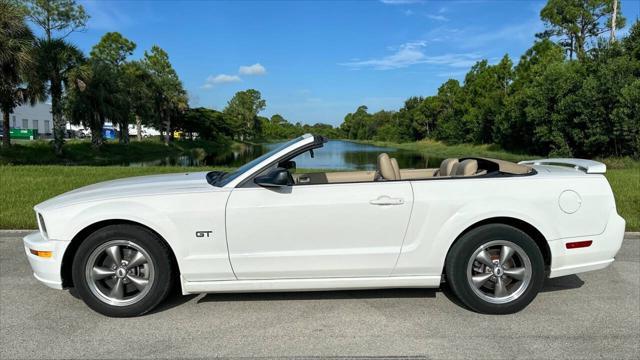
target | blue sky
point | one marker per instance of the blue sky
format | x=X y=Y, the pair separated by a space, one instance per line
x=315 y=61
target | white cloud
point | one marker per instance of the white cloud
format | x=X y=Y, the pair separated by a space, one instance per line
x=475 y=37
x=223 y=78
x=255 y=69
x=220 y=79
x=412 y=53
x=400 y=2
x=408 y=54
x=437 y=17
x=453 y=74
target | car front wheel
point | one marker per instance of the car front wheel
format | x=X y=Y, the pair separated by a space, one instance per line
x=122 y=270
x=495 y=269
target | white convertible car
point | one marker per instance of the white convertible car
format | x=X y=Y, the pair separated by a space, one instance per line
x=493 y=230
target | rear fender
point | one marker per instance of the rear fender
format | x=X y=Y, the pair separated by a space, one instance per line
x=426 y=252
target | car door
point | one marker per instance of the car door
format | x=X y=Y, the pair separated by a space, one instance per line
x=312 y=231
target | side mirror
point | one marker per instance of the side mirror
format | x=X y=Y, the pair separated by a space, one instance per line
x=277 y=177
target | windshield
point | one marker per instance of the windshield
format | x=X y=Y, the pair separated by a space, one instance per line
x=227 y=178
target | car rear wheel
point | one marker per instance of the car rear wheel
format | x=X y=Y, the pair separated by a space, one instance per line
x=122 y=270
x=495 y=269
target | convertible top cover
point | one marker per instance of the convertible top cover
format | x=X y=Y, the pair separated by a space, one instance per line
x=505 y=167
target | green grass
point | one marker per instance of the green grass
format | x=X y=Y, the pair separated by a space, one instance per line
x=626 y=189
x=80 y=152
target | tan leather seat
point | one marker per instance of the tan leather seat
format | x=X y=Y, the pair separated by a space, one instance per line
x=417 y=174
x=385 y=167
x=447 y=167
x=396 y=168
x=468 y=167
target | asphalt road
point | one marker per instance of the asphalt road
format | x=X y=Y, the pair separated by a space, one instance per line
x=593 y=315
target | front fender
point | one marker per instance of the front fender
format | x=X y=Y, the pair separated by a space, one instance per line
x=66 y=223
x=176 y=218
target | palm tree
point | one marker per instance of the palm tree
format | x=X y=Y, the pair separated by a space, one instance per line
x=94 y=95
x=55 y=59
x=138 y=84
x=17 y=84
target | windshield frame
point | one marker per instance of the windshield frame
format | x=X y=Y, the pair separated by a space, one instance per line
x=246 y=168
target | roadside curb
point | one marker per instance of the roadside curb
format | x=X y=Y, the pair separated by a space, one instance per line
x=629 y=235
x=16 y=233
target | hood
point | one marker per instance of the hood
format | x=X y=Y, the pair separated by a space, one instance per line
x=134 y=186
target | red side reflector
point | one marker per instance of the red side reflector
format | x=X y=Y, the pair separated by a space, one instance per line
x=579 y=244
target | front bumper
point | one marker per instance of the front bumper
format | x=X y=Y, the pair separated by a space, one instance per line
x=46 y=270
x=599 y=255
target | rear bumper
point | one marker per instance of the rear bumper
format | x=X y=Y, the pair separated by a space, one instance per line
x=599 y=255
x=45 y=270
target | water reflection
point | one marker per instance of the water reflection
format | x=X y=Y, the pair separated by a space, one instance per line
x=336 y=154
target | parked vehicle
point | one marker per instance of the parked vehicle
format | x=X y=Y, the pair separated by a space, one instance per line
x=494 y=230
x=134 y=132
x=109 y=133
x=83 y=133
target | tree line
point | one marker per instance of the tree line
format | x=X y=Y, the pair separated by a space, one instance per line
x=240 y=120
x=575 y=92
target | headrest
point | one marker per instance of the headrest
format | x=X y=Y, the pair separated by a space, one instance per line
x=467 y=168
x=385 y=167
x=446 y=167
x=396 y=168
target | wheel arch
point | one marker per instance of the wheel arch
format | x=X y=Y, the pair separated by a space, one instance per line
x=519 y=224
x=70 y=252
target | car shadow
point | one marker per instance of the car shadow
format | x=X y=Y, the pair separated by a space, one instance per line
x=321 y=295
x=562 y=283
x=173 y=300
x=556 y=284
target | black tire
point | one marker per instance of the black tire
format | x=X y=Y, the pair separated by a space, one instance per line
x=158 y=287
x=459 y=265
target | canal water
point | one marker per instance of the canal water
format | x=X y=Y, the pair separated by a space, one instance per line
x=335 y=154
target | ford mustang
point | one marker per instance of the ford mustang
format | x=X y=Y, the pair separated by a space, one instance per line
x=492 y=230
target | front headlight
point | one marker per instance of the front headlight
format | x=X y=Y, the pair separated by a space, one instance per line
x=43 y=227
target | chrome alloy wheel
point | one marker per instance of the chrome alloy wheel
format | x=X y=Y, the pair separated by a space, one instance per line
x=119 y=272
x=499 y=271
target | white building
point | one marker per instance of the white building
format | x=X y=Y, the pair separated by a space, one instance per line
x=39 y=117
x=32 y=117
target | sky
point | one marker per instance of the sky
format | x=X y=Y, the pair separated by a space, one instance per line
x=316 y=61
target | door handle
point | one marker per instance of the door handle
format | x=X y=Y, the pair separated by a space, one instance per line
x=386 y=200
